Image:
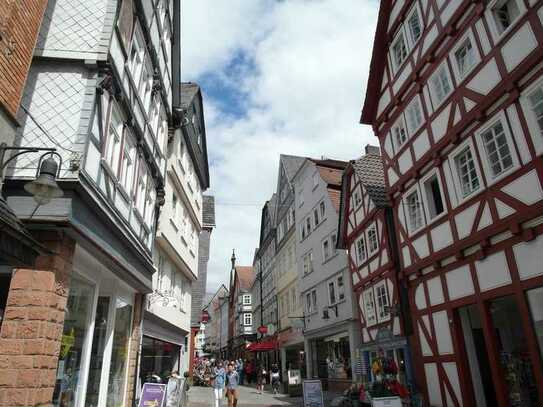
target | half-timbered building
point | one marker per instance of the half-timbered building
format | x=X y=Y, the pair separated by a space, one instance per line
x=455 y=96
x=366 y=232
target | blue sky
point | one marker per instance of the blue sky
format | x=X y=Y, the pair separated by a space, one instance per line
x=277 y=77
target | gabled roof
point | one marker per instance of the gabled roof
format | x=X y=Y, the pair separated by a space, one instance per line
x=245 y=276
x=208 y=211
x=369 y=168
x=292 y=164
x=377 y=65
x=331 y=172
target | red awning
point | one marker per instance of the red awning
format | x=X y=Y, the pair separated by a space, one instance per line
x=264 y=346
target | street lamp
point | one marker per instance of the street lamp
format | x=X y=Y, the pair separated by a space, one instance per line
x=44 y=188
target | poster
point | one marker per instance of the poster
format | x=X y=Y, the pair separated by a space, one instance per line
x=294 y=376
x=152 y=395
x=312 y=392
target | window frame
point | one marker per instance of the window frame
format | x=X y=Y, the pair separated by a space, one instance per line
x=362 y=238
x=310 y=268
x=245 y=315
x=333 y=284
x=489 y=176
x=460 y=198
x=378 y=308
x=496 y=32
x=372 y=227
x=400 y=122
x=139 y=42
x=443 y=67
x=412 y=11
x=244 y=298
x=413 y=190
x=370 y=313
x=535 y=130
x=461 y=76
x=426 y=204
x=414 y=101
x=397 y=66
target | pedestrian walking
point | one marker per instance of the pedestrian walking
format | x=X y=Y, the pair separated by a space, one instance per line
x=275 y=378
x=260 y=378
x=219 y=383
x=232 y=380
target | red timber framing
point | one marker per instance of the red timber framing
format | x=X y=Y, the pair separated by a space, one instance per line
x=363 y=216
x=482 y=247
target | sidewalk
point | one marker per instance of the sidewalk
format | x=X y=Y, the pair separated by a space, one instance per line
x=249 y=397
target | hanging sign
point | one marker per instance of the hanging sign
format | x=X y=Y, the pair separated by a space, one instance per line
x=152 y=395
x=312 y=393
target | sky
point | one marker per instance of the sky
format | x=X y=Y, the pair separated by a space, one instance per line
x=277 y=76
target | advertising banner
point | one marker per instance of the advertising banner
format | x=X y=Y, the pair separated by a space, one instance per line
x=152 y=395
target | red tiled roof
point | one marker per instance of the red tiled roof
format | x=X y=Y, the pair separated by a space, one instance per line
x=335 y=196
x=246 y=277
x=331 y=176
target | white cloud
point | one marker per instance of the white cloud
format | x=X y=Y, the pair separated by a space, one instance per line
x=302 y=95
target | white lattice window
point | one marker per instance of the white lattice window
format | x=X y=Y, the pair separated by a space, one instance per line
x=369 y=307
x=497 y=149
x=414 y=211
x=382 y=302
x=466 y=171
x=414 y=24
x=440 y=84
x=465 y=57
x=399 y=50
x=361 y=249
x=373 y=242
x=399 y=133
x=505 y=13
x=414 y=115
x=247 y=319
x=246 y=299
x=113 y=145
x=128 y=162
x=536 y=104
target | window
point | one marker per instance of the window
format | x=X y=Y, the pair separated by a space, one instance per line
x=373 y=243
x=128 y=162
x=414 y=115
x=399 y=51
x=146 y=84
x=536 y=103
x=326 y=249
x=465 y=57
x=247 y=319
x=302 y=231
x=311 y=302
x=332 y=292
x=322 y=209
x=381 y=298
x=414 y=211
x=316 y=216
x=308 y=224
x=434 y=200
x=174 y=205
x=505 y=13
x=415 y=26
x=357 y=199
x=361 y=250
x=113 y=145
x=399 y=133
x=246 y=299
x=340 y=289
x=467 y=174
x=497 y=149
x=308 y=263
x=301 y=196
x=441 y=84
x=369 y=306
x=136 y=55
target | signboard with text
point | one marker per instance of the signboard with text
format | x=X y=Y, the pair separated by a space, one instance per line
x=386 y=402
x=312 y=393
x=152 y=395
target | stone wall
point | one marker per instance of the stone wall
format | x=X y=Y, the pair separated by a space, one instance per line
x=31 y=332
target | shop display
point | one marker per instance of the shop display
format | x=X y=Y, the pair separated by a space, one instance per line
x=386 y=384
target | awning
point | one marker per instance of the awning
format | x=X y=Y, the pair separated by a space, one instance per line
x=263 y=346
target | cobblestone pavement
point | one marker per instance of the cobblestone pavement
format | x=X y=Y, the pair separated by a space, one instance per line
x=248 y=397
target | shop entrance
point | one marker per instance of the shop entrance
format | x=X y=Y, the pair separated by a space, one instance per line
x=507 y=353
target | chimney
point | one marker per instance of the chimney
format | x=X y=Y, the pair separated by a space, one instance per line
x=372 y=149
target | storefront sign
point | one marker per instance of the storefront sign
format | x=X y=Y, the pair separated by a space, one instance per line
x=152 y=395
x=294 y=376
x=312 y=393
x=387 y=402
